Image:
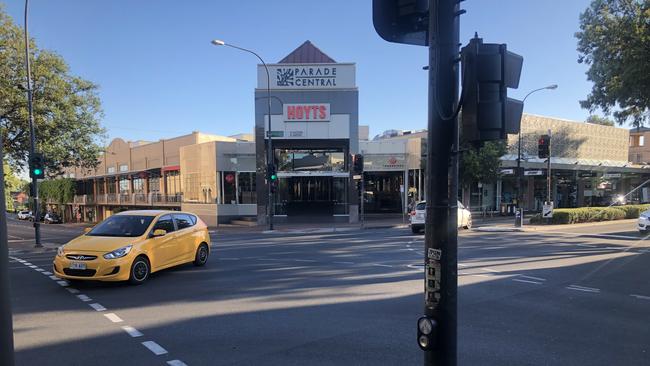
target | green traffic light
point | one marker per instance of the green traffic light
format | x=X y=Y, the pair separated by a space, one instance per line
x=37 y=172
x=274 y=177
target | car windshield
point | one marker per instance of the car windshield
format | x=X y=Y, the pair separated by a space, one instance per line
x=421 y=206
x=126 y=225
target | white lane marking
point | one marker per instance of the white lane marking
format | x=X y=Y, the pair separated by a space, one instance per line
x=132 y=331
x=176 y=363
x=462 y=265
x=84 y=298
x=113 y=317
x=380 y=265
x=343 y=262
x=72 y=290
x=641 y=297
x=584 y=289
x=97 y=306
x=55 y=278
x=228 y=259
x=492 y=248
x=40 y=270
x=33 y=266
x=533 y=278
x=526 y=281
x=47 y=273
x=489 y=270
x=586 y=245
x=63 y=283
x=155 y=348
x=304 y=260
x=27 y=264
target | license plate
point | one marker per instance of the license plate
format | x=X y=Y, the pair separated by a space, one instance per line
x=419 y=216
x=77 y=265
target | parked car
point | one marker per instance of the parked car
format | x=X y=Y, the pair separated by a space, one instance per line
x=418 y=217
x=131 y=245
x=643 y=224
x=52 y=218
x=24 y=215
x=41 y=214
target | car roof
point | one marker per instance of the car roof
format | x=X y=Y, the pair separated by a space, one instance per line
x=148 y=212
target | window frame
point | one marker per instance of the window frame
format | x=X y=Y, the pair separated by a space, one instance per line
x=178 y=228
x=153 y=228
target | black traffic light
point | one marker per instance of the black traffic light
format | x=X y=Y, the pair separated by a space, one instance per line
x=402 y=21
x=36 y=166
x=488 y=70
x=357 y=163
x=272 y=177
x=544 y=147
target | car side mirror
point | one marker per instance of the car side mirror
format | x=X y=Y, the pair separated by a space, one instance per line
x=159 y=232
x=87 y=230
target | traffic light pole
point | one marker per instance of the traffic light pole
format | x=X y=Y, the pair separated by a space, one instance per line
x=441 y=233
x=32 y=149
x=548 y=170
x=6 y=327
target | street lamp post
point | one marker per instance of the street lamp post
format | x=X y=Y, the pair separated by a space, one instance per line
x=519 y=216
x=269 y=152
x=32 y=136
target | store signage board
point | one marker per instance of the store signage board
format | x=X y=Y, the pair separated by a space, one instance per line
x=306 y=112
x=611 y=175
x=308 y=76
x=533 y=172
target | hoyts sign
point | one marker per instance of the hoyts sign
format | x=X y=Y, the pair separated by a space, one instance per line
x=307 y=112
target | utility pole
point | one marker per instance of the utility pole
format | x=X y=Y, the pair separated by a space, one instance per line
x=441 y=234
x=548 y=170
x=32 y=149
x=6 y=327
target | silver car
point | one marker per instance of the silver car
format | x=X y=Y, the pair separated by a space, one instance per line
x=418 y=217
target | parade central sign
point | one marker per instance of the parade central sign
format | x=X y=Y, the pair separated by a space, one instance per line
x=306 y=112
x=308 y=76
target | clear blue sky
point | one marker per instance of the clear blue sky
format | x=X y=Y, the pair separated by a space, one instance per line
x=160 y=77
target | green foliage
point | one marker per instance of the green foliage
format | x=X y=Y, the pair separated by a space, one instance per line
x=598 y=120
x=591 y=214
x=613 y=40
x=60 y=191
x=13 y=183
x=66 y=107
x=483 y=164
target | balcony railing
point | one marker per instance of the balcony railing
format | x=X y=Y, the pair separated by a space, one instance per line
x=135 y=199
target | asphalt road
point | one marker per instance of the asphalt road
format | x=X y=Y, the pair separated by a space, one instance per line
x=576 y=297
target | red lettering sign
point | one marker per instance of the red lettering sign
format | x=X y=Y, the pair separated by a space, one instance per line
x=306 y=112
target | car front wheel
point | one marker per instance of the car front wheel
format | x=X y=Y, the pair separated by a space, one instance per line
x=469 y=223
x=140 y=270
x=201 y=256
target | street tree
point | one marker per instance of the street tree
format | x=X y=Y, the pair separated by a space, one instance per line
x=613 y=41
x=481 y=164
x=13 y=183
x=66 y=107
x=599 y=120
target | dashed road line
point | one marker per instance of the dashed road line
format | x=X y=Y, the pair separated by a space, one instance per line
x=526 y=281
x=533 y=278
x=84 y=298
x=63 y=283
x=97 y=306
x=39 y=270
x=155 y=348
x=132 y=331
x=72 y=290
x=641 y=297
x=343 y=262
x=176 y=363
x=113 y=317
x=55 y=278
x=47 y=273
x=583 y=289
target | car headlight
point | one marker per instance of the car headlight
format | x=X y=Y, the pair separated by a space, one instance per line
x=59 y=251
x=118 y=253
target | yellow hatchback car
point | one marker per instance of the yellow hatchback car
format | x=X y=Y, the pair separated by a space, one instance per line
x=131 y=245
